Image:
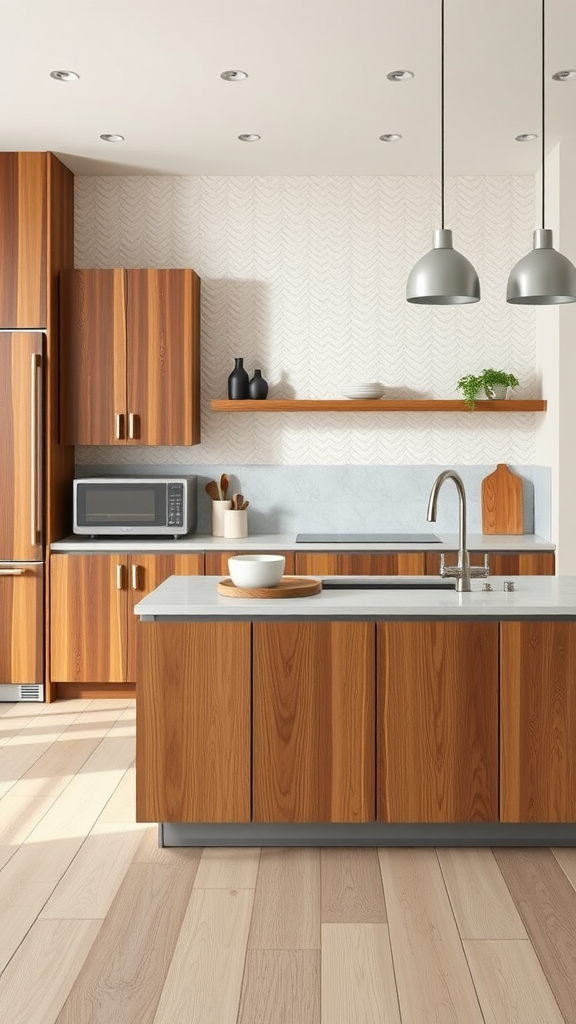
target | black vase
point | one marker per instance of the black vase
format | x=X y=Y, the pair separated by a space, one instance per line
x=238 y=381
x=258 y=387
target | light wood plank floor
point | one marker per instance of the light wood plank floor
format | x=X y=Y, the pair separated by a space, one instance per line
x=99 y=926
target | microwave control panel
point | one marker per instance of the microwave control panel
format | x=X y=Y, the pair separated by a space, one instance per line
x=175 y=505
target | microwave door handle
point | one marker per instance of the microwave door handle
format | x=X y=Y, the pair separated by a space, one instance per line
x=35 y=487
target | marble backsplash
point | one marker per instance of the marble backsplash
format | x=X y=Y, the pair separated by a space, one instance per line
x=350 y=498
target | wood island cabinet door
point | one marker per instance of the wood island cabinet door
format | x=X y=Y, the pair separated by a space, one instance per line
x=93 y=357
x=538 y=721
x=313 y=721
x=193 y=722
x=163 y=316
x=146 y=572
x=437 y=721
x=88 y=621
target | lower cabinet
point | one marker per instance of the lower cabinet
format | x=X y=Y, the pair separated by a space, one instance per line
x=193 y=722
x=93 y=629
x=530 y=563
x=328 y=563
x=313 y=721
x=216 y=562
x=437 y=721
x=538 y=721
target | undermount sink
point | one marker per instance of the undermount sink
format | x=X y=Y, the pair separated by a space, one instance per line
x=352 y=584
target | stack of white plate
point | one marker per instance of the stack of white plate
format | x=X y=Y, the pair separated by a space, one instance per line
x=363 y=389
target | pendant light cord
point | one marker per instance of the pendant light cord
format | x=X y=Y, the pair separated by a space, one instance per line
x=543 y=146
x=442 y=113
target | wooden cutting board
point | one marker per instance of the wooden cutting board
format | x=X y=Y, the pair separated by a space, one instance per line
x=502 y=503
x=289 y=586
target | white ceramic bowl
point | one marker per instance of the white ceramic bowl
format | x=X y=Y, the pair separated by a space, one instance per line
x=256 y=570
x=366 y=390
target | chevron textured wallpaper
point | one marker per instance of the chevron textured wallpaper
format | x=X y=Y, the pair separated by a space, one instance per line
x=305 y=278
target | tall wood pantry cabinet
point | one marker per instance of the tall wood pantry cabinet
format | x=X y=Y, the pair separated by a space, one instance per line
x=130 y=357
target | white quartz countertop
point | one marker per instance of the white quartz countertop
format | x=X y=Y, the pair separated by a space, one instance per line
x=537 y=597
x=195 y=542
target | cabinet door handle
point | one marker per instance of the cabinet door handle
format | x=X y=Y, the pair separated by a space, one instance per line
x=119 y=426
x=12 y=572
x=35 y=470
x=120 y=577
x=135 y=575
x=132 y=424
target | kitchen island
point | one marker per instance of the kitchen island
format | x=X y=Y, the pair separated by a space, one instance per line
x=383 y=711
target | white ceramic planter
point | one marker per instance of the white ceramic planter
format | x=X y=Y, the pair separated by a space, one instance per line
x=498 y=392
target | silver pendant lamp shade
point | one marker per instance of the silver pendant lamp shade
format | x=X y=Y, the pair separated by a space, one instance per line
x=544 y=277
x=443 y=277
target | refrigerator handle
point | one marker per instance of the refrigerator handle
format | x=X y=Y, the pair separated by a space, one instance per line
x=12 y=572
x=35 y=482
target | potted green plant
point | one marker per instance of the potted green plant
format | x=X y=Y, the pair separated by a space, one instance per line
x=494 y=383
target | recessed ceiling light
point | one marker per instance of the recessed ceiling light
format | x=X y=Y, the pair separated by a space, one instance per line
x=564 y=76
x=391 y=137
x=234 y=76
x=399 y=76
x=527 y=137
x=112 y=138
x=64 y=76
x=249 y=138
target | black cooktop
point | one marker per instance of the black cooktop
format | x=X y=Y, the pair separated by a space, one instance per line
x=367 y=538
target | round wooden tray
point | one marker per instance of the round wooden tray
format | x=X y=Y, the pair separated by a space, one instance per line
x=289 y=586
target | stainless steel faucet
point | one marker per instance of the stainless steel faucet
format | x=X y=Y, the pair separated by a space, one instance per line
x=463 y=572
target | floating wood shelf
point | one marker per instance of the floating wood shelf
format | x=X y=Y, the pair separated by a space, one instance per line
x=375 y=405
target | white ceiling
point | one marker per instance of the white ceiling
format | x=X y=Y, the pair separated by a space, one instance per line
x=317 y=91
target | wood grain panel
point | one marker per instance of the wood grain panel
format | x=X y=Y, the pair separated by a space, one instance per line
x=216 y=562
x=313 y=721
x=351 y=887
x=287 y=902
x=510 y=983
x=432 y=975
x=538 y=721
x=502 y=501
x=547 y=904
x=437 y=721
x=22 y=366
x=281 y=985
x=315 y=563
x=146 y=572
x=141 y=929
x=86 y=647
x=482 y=904
x=376 y=405
x=358 y=981
x=163 y=356
x=23 y=229
x=408 y=563
x=534 y=563
x=204 y=981
x=92 y=356
x=193 y=715
x=22 y=626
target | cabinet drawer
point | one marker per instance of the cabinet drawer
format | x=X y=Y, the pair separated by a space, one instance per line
x=327 y=563
x=216 y=562
x=541 y=563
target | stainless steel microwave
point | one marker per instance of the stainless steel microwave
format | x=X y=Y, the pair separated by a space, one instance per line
x=135 y=506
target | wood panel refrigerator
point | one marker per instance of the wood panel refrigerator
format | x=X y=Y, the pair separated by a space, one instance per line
x=21 y=516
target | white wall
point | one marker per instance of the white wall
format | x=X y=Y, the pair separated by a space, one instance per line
x=305 y=277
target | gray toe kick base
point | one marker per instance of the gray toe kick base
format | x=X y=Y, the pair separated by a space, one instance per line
x=372 y=834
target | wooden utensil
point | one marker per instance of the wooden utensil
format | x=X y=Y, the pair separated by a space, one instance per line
x=237 y=500
x=224 y=485
x=245 y=505
x=502 y=504
x=212 y=490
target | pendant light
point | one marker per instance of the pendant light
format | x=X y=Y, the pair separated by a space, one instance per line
x=543 y=277
x=443 y=277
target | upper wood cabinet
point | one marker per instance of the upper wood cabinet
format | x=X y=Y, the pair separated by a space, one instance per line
x=130 y=357
x=23 y=238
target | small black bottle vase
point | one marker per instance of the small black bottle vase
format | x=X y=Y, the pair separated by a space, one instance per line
x=238 y=381
x=258 y=387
